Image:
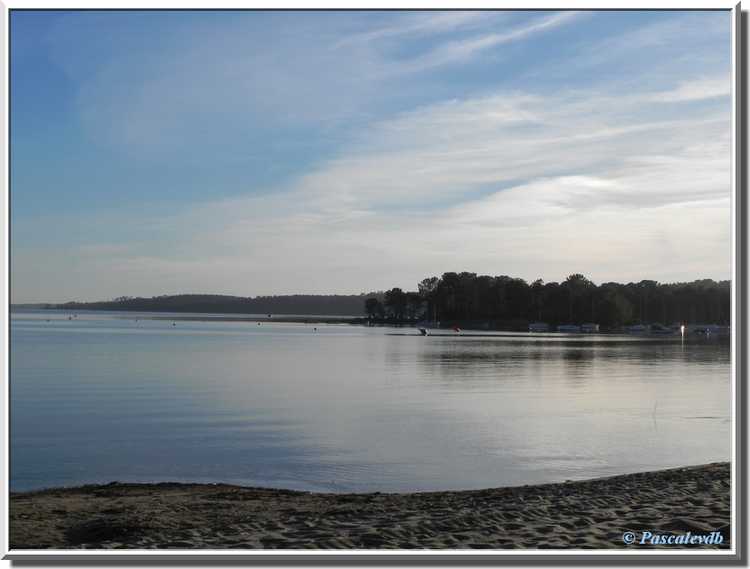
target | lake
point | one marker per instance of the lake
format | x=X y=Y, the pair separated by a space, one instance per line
x=340 y=408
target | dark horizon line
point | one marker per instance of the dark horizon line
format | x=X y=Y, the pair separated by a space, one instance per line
x=28 y=303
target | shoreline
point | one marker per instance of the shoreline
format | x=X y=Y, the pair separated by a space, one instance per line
x=471 y=328
x=588 y=514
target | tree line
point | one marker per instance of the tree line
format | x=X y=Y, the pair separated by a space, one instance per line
x=500 y=302
x=308 y=304
x=507 y=302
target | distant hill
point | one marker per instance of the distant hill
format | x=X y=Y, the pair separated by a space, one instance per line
x=333 y=304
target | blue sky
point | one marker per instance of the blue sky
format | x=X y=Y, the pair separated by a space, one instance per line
x=341 y=152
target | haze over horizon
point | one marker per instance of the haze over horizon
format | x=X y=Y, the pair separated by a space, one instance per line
x=255 y=153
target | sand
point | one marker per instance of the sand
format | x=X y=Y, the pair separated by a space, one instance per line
x=592 y=514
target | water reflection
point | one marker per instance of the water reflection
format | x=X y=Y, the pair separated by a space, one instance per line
x=352 y=408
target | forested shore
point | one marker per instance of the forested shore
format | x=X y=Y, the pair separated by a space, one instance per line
x=499 y=302
x=512 y=303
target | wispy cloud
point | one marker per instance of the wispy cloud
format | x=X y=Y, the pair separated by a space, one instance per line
x=220 y=84
x=420 y=24
x=462 y=50
x=697 y=89
x=453 y=150
x=502 y=179
x=617 y=180
x=673 y=45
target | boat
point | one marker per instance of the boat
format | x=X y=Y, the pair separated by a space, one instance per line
x=651 y=330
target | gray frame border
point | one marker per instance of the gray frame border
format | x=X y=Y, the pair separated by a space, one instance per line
x=432 y=557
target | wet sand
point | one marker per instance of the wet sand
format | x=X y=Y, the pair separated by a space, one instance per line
x=592 y=514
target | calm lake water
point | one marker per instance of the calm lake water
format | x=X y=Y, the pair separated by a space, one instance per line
x=350 y=408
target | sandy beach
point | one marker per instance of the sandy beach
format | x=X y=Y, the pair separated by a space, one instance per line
x=592 y=514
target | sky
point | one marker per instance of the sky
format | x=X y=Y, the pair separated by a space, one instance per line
x=253 y=153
